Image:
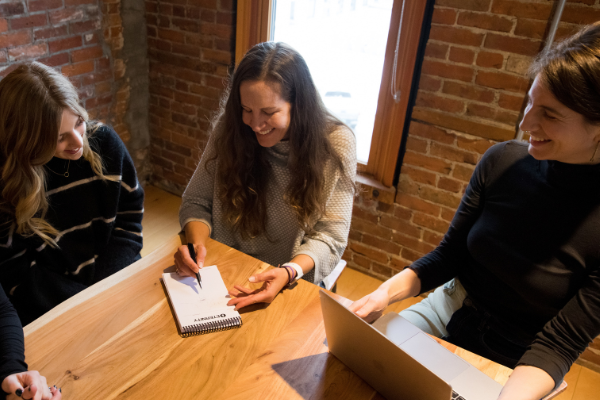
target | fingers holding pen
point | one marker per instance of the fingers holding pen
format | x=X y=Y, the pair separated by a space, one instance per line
x=185 y=265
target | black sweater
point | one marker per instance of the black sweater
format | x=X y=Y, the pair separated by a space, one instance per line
x=99 y=224
x=12 y=348
x=525 y=243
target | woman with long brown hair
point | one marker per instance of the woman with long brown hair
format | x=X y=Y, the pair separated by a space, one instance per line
x=276 y=180
x=70 y=204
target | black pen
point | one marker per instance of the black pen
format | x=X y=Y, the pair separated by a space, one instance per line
x=193 y=255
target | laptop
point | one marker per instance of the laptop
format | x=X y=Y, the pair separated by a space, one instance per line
x=399 y=360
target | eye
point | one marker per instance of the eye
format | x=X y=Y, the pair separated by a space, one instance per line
x=79 y=122
x=269 y=114
x=548 y=116
x=61 y=138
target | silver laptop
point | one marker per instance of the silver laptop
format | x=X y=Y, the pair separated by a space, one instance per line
x=399 y=360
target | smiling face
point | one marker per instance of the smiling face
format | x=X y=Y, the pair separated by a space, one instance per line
x=70 y=136
x=557 y=132
x=265 y=111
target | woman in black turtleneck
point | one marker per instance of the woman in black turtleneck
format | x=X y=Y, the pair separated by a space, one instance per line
x=522 y=255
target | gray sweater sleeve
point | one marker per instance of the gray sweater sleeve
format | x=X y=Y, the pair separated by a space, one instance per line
x=327 y=244
x=197 y=200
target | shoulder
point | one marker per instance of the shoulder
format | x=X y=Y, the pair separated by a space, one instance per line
x=505 y=153
x=105 y=141
x=342 y=137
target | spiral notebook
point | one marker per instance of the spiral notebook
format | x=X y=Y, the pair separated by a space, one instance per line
x=201 y=310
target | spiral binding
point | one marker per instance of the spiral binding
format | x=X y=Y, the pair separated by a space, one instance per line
x=211 y=326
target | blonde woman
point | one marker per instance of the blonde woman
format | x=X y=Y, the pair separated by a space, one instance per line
x=70 y=204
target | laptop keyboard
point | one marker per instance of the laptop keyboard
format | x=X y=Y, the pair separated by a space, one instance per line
x=456 y=396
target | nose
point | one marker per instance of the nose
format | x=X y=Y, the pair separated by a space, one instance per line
x=75 y=140
x=257 y=122
x=529 y=121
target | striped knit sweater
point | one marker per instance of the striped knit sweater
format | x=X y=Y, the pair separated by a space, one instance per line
x=99 y=224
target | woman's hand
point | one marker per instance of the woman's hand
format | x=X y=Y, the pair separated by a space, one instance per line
x=274 y=281
x=33 y=385
x=184 y=265
x=371 y=307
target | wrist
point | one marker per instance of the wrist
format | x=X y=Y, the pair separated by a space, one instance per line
x=297 y=268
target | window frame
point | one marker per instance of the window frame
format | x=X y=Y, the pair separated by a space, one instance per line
x=254 y=18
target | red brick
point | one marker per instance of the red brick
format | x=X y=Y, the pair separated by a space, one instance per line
x=492 y=113
x=358 y=212
x=223 y=57
x=221 y=31
x=225 y=18
x=449 y=184
x=226 y=5
x=224 y=44
x=373 y=254
x=416 y=145
x=10 y=9
x=185 y=24
x=448 y=214
x=171 y=35
x=436 y=50
x=487 y=59
x=432 y=237
x=385 y=245
x=443 y=16
x=400 y=225
x=78 y=69
x=516 y=45
x=463 y=172
x=7 y=70
x=468 y=92
x=462 y=125
x=475 y=5
x=44 y=5
x=417 y=204
x=516 y=8
x=499 y=80
x=55 y=60
x=429 y=83
x=576 y=14
x=456 y=35
x=402 y=213
x=431 y=132
x=86 y=54
x=478 y=145
x=185 y=49
x=3 y=57
x=27 y=52
x=371 y=228
x=430 y=100
x=398 y=264
x=362 y=261
x=3 y=25
x=460 y=55
x=452 y=153
x=531 y=28
x=444 y=70
x=430 y=163
x=85 y=26
x=205 y=91
x=65 y=15
x=408 y=254
x=382 y=270
x=430 y=222
x=485 y=21
x=64 y=44
x=514 y=103
x=47 y=33
x=412 y=243
x=419 y=175
x=14 y=39
x=210 y=4
x=91 y=38
x=30 y=21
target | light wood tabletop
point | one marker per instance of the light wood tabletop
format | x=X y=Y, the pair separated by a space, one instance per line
x=119 y=340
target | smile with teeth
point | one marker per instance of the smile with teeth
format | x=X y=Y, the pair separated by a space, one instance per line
x=265 y=132
x=535 y=139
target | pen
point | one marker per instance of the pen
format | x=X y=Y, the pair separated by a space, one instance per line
x=193 y=255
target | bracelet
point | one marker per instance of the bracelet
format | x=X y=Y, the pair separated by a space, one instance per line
x=297 y=268
x=287 y=269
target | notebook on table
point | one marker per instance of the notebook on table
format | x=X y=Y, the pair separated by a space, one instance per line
x=199 y=310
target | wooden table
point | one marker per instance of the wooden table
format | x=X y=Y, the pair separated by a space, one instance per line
x=118 y=340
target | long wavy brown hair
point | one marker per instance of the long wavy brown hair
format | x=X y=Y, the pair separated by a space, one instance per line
x=242 y=168
x=32 y=100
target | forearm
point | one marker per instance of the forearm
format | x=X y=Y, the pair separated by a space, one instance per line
x=527 y=383
x=401 y=286
x=305 y=262
x=197 y=232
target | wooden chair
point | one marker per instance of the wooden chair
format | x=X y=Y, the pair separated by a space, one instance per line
x=332 y=278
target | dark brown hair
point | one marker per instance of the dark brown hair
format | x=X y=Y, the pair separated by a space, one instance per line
x=571 y=71
x=242 y=167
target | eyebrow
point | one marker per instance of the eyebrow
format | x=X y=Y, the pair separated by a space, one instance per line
x=552 y=110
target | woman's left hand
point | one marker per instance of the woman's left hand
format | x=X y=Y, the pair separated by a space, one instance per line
x=274 y=281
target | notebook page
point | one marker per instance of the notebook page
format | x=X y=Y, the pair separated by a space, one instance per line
x=194 y=305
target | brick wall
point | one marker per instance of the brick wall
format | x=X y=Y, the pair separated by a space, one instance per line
x=191 y=51
x=82 y=39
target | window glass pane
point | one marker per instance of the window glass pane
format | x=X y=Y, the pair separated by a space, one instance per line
x=343 y=42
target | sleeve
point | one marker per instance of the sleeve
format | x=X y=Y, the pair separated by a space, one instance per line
x=566 y=336
x=126 y=242
x=12 y=343
x=330 y=237
x=197 y=199
x=443 y=263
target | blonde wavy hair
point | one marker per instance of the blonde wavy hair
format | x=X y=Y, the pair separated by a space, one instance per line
x=32 y=100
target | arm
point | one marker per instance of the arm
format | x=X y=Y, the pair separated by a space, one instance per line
x=527 y=383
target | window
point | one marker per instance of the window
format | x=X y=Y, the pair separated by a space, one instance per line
x=349 y=46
